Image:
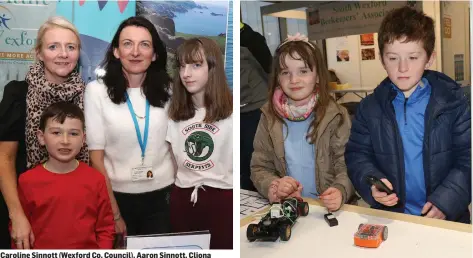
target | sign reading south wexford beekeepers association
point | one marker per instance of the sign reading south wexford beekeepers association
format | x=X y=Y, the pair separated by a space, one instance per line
x=19 y=24
x=340 y=18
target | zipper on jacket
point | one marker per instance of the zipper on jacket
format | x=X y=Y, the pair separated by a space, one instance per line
x=405 y=111
x=430 y=117
x=402 y=185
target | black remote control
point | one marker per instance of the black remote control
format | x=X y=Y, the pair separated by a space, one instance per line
x=372 y=180
x=331 y=220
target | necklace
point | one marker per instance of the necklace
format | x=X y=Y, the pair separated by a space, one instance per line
x=77 y=165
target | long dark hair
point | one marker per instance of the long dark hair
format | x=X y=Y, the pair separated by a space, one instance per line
x=157 y=81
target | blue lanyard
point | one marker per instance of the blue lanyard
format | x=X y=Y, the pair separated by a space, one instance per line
x=143 y=142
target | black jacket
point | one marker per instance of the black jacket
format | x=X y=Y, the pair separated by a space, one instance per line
x=256 y=43
x=375 y=147
x=13 y=119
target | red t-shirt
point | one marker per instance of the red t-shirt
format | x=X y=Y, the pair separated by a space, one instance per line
x=67 y=211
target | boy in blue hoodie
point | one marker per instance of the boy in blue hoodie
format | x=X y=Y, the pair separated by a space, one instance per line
x=413 y=132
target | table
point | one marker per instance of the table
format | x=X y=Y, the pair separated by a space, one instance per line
x=409 y=236
x=356 y=91
x=251 y=203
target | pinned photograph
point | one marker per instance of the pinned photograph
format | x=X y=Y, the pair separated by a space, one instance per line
x=343 y=56
x=367 y=39
x=368 y=54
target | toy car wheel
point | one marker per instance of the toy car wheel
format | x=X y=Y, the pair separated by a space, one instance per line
x=385 y=233
x=304 y=210
x=359 y=226
x=285 y=232
x=250 y=232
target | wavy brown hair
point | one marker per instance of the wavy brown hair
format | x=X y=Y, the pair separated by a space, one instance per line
x=312 y=57
x=410 y=23
x=218 y=99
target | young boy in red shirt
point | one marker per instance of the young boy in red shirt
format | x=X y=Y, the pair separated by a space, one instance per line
x=65 y=201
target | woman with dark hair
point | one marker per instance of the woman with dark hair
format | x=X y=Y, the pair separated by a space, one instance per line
x=121 y=107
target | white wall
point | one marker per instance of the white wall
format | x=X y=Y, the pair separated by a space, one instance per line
x=432 y=9
x=368 y=73
x=365 y=74
x=347 y=72
x=459 y=43
x=359 y=73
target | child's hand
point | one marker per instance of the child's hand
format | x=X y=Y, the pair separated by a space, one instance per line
x=287 y=186
x=273 y=188
x=382 y=197
x=297 y=193
x=332 y=198
x=432 y=211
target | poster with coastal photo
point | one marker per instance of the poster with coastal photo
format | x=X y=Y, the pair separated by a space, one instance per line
x=180 y=20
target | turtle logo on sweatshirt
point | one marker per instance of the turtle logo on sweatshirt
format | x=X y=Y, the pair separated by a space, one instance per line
x=199 y=145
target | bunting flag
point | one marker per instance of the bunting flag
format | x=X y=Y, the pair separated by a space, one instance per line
x=102 y=3
x=81 y=2
x=122 y=5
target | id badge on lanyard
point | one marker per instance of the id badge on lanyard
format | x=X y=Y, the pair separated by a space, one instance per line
x=140 y=172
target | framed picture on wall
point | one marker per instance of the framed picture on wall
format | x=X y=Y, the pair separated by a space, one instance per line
x=368 y=54
x=367 y=39
x=343 y=55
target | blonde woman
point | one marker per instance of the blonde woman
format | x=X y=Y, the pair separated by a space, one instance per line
x=52 y=78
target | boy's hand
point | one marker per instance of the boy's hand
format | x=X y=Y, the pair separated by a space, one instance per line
x=120 y=226
x=332 y=199
x=21 y=232
x=382 y=197
x=432 y=211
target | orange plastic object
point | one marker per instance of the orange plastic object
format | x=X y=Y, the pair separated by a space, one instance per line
x=370 y=235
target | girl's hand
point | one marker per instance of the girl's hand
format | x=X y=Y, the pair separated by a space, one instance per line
x=287 y=186
x=273 y=188
x=297 y=193
x=332 y=199
x=283 y=188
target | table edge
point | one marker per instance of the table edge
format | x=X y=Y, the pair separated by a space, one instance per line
x=462 y=227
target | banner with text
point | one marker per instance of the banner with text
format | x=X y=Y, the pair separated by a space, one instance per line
x=19 y=23
x=335 y=19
